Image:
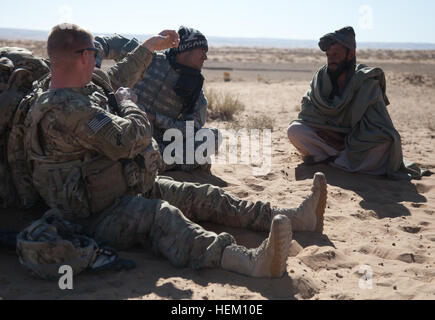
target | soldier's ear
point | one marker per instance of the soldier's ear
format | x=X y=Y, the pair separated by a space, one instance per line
x=81 y=60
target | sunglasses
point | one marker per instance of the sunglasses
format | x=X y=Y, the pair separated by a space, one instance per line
x=96 y=51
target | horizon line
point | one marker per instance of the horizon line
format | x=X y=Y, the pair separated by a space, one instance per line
x=223 y=37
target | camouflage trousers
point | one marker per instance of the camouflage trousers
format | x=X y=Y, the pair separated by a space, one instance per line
x=167 y=221
x=196 y=144
x=8 y=196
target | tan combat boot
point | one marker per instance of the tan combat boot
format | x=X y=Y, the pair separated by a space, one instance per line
x=309 y=215
x=266 y=261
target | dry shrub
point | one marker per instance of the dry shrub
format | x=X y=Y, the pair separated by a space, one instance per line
x=223 y=106
x=234 y=125
x=261 y=79
x=414 y=79
x=227 y=76
x=260 y=122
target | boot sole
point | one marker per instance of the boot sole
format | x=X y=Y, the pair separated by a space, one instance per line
x=282 y=231
x=320 y=182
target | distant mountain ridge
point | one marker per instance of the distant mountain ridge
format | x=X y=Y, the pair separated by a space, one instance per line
x=22 y=34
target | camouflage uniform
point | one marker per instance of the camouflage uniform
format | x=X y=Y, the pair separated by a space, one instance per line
x=18 y=69
x=6 y=186
x=156 y=95
x=73 y=139
x=114 y=47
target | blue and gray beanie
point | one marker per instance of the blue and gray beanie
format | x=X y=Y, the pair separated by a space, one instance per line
x=191 y=39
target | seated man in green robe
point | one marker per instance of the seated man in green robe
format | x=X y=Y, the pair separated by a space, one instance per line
x=344 y=119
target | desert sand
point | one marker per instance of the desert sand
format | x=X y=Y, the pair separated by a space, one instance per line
x=382 y=227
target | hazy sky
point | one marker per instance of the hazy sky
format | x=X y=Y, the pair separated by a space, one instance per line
x=374 y=21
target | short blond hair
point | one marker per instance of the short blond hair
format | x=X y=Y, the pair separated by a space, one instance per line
x=65 y=39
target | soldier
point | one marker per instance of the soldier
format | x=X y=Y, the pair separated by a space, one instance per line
x=171 y=92
x=89 y=163
x=18 y=70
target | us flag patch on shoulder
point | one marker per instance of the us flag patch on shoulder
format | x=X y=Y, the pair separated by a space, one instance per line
x=98 y=122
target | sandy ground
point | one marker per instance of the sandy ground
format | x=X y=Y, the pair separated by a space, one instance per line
x=373 y=225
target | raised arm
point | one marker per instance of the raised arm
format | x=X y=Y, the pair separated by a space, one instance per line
x=116 y=47
x=133 y=67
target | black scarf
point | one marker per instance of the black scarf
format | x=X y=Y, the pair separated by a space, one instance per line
x=189 y=85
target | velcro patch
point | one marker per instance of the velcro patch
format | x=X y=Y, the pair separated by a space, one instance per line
x=98 y=122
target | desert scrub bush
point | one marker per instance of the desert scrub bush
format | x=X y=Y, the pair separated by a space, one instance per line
x=260 y=122
x=222 y=106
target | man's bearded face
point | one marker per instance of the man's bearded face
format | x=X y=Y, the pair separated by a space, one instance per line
x=339 y=60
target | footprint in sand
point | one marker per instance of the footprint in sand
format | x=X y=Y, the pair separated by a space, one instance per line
x=253 y=184
x=336 y=219
x=431 y=237
x=242 y=194
x=320 y=258
x=412 y=258
x=410 y=229
x=365 y=215
x=341 y=196
x=386 y=253
x=422 y=188
x=269 y=177
x=417 y=205
x=256 y=187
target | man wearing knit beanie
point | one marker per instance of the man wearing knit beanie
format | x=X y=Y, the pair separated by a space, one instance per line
x=191 y=39
x=344 y=119
x=171 y=92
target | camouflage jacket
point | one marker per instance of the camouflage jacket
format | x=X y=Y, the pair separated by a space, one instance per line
x=115 y=47
x=19 y=68
x=16 y=187
x=67 y=131
x=155 y=91
x=155 y=94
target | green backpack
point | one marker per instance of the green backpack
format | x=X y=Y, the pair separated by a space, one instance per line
x=19 y=69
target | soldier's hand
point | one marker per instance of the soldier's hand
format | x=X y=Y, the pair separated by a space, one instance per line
x=164 y=40
x=123 y=94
